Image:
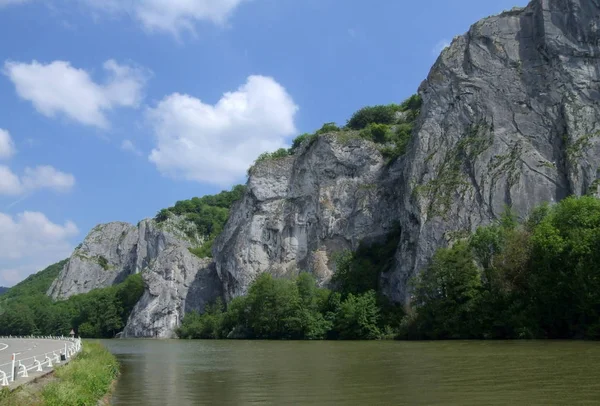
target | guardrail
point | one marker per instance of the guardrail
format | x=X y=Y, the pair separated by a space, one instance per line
x=19 y=367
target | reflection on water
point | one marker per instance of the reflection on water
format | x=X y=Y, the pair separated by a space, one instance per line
x=356 y=373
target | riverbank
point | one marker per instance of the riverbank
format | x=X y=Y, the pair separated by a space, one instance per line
x=85 y=380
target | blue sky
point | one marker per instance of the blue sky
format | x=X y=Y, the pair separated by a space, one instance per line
x=111 y=110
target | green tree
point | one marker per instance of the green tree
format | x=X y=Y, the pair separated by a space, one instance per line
x=357 y=318
x=446 y=294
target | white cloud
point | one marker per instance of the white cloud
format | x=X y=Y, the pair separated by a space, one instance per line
x=30 y=242
x=128 y=145
x=439 y=47
x=216 y=144
x=47 y=177
x=7 y=146
x=10 y=184
x=4 y=3
x=170 y=15
x=58 y=87
x=40 y=177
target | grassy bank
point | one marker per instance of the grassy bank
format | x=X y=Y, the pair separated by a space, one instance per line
x=84 y=381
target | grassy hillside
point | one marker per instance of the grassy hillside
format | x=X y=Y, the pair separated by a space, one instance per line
x=25 y=309
x=37 y=284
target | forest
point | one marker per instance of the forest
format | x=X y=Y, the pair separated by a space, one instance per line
x=26 y=309
x=535 y=278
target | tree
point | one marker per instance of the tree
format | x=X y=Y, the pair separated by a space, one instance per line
x=358 y=317
x=446 y=294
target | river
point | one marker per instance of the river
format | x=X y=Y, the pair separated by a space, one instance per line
x=357 y=373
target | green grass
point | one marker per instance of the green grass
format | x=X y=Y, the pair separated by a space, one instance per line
x=83 y=381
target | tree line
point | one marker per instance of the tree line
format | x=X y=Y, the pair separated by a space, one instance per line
x=536 y=278
x=26 y=309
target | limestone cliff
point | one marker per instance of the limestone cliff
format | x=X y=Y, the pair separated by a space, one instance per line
x=510 y=116
x=298 y=211
x=176 y=280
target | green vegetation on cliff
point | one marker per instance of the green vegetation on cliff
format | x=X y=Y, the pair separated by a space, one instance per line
x=535 y=279
x=83 y=381
x=208 y=213
x=298 y=309
x=289 y=309
x=538 y=279
x=101 y=313
x=389 y=126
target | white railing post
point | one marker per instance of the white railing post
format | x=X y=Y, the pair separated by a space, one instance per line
x=3 y=379
x=24 y=372
x=38 y=364
x=12 y=371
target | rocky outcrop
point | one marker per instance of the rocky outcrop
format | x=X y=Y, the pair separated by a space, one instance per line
x=176 y=281
x=113 y=251
x=298 y=211
x=510 y=116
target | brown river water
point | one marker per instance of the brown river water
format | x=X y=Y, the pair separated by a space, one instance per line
x=357 y=373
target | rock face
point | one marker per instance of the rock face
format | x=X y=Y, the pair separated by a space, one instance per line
x=176 y=280
x=510 y=116
x=178 y=283
x=110 y=253
x=299 y=210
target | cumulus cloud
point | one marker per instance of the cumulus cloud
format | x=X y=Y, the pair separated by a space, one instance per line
x=217 y=143
x=29 y=242
x=7 y=146
x=170 y=15
x=40 y=177
x=128 y=145
x=59 y=88
x=10 y=184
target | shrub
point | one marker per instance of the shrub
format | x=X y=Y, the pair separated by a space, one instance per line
x=382 y=114
x=327 y=128
x=299 y=140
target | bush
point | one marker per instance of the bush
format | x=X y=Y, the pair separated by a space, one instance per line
x=328 y=128
x=268 y=156
x=299 y=140
x=373 y=115
x=208 y=214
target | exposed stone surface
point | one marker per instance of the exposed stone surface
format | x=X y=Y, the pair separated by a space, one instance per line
x=510 y=117
x=176 y=280
x=110 y=253
x=178 y=283
x=329 y=196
